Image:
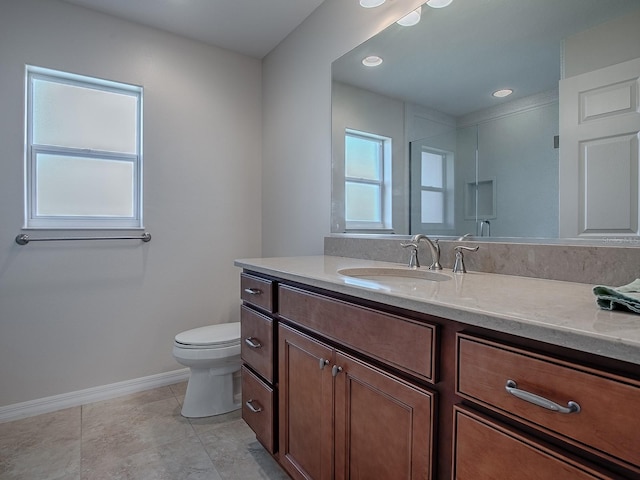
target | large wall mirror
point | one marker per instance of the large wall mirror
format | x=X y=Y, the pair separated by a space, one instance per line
x=421 y=145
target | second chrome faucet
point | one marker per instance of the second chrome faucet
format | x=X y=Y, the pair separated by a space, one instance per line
x=433 y=247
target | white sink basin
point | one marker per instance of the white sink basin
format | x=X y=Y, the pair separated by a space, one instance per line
x=383 y=273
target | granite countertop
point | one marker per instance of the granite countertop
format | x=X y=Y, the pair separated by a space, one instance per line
x=551 y=311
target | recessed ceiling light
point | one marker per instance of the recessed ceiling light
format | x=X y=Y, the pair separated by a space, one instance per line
x=505 y=92
x=439 y=3
x=372 y=61
x=371 y=3
x=410 y=19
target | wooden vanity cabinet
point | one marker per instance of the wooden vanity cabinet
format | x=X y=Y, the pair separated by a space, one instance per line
x=305 y=405
x=486 y=449
x=258 y=292
x=257 y=336
x=585 y=408
x=399 y=342
x=343 y=418
x=258 y=408
x=350 y=389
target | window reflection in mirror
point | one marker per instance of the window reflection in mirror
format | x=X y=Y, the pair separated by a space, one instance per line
x=367 y=174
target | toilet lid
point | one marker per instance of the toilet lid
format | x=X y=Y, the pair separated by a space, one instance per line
x=220 y=335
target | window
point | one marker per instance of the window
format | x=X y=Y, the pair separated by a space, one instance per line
x=367 y=180
x=84 y=152
x=433 y=187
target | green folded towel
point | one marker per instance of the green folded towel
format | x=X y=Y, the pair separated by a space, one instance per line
x=626 y=297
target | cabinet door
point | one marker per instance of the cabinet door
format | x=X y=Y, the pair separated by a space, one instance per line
x=486 y=450
x=384 y=426
x=257 y=408
x=256 y=335
x=257 y=292
x=306 y=396
x=606 y=423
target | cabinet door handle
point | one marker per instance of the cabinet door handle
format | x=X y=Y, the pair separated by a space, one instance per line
x=323 y=363
x=252 y=342
x=253 y=291
x=336 y=370
x=512 y=388
x=249 y=404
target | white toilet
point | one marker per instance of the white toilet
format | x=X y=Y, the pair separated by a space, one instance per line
x=213 y=354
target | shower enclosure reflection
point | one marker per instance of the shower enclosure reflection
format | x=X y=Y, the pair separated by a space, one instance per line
x=465 y=180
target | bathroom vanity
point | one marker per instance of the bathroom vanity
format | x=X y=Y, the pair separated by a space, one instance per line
x=469 y=376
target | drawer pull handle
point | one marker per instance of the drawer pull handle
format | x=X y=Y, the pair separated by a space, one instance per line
x=323 y=363
x=512 y=388
x=252 y=342
x=249 y=404
x=253 y=291
x=336 y=370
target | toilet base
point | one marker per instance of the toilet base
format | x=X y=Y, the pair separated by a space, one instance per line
x=212 y=391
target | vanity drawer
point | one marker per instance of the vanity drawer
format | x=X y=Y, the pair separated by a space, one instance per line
x=399 y=342
x=607 y=423
x=256 y=332
x=487 y=450
x=257 y=408
x=257 y=291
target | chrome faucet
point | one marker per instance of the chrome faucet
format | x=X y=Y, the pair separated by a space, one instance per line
x=433 y=246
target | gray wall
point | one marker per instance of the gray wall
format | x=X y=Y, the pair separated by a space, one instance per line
x=602 y=46
x=78 y=315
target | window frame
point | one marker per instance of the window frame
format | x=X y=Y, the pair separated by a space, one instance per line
x=384 y=183
x=79 y=222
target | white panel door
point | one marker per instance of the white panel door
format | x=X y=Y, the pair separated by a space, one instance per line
x=599 y=150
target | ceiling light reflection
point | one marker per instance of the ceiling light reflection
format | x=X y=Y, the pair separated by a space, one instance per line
x=439 y=3
x=410 y=19
x=372 y=61
x=505 y=92
x=371 y=3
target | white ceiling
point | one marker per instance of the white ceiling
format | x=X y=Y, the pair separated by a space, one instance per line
x=251 y=27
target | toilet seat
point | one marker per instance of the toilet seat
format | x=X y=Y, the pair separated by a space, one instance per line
x=211 y=336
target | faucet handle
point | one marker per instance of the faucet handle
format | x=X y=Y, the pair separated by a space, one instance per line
x=413 y=259
x=458 y=266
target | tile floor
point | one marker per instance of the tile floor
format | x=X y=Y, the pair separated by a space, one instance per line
x=136 y=437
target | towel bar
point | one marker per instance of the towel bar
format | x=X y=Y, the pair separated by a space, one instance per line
x=23 y=238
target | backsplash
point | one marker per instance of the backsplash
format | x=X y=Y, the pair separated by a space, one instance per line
x=615 y=265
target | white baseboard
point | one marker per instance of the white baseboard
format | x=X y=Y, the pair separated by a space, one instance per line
x=90 y=395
